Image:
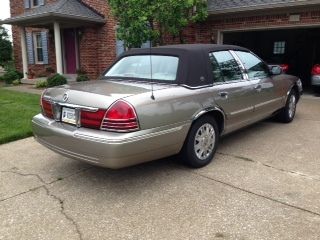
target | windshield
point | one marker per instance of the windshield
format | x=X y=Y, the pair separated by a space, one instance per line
x=164 y=68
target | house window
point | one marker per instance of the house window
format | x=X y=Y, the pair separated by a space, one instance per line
x=38 y=48
x=34 y=3
x=279 y=47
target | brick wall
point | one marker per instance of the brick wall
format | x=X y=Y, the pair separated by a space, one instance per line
x=96 y=59
x=207 y=32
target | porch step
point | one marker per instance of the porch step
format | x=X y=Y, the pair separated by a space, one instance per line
x=71 y=77
x=32 y=81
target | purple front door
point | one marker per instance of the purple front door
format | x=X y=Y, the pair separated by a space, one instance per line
x=70 y=49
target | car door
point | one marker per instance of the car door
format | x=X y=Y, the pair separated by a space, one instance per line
x=233 y=93
x=265 y=99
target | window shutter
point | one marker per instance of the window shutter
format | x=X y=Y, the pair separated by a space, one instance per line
x=120 y=47
x=44 y=39
x=147 y=44
x=26 y=3
x=30 y=48
x=41 y=2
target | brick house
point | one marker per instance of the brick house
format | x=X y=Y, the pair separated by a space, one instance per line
x=67 y=35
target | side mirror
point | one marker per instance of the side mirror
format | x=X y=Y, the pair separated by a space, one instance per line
x=276 y=70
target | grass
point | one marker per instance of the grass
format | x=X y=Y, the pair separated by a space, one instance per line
x=16 y=112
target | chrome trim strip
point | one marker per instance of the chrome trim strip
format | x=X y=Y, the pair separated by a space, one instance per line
x=242 y=111
x=242 y=67
x=268 y=102
x=211 y=109
x=66 y=152
x=131 y=139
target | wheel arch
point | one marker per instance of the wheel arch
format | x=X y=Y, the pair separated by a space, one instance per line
x=216 y=113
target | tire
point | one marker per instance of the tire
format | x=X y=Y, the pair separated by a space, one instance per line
x=198 y=151
x=287 y=114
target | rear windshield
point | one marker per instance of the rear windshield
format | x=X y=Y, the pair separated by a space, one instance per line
x=164 y=68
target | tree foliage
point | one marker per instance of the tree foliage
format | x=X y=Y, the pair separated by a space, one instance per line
x=142 y=20
x=5 y=46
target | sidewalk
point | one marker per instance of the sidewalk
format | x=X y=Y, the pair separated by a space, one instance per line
x=27 y=88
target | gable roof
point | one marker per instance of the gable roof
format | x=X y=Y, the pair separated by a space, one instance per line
x=230 y=6
x=70 y=9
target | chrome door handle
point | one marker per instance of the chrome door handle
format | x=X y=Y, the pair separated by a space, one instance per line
x=223 y=94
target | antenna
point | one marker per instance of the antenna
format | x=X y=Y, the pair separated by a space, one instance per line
x=152 y=95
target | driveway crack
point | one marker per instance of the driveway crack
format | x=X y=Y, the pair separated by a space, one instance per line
x=50 y=194
x=27 y=175
x=257 y=194
x=315 y=178
x=63 y=212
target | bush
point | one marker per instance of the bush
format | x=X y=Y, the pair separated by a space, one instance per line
x=41 y=84
x=56 y=80
x=10 y=76
x=82 y=78
x=16 y=82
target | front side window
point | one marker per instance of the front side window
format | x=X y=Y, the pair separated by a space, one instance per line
x=164 y=68
x=38 y=48
x=225 y=67
x=254 y=66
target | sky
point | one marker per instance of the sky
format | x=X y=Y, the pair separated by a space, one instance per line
x=5 y=12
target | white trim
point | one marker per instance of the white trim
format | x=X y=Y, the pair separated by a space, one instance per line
x=58 y=48
x=35 y=47
x=219 y=37
x=24 y=52
x=259 y=28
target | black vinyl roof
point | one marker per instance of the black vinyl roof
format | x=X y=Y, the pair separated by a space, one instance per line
x=194 y=66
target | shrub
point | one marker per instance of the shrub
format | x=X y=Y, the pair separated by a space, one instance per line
x=82 y=78
x=56 y=80
x=16 y=82
x=41 y=84
x=10 y=76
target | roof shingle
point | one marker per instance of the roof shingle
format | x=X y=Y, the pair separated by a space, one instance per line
x=216 y=6
x=70 y=8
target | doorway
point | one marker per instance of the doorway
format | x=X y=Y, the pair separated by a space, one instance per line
x=71 y=53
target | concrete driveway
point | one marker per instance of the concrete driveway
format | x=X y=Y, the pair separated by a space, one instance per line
x=263 y=184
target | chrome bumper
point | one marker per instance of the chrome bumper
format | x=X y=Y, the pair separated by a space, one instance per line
x=315 y=80
x=108 y=149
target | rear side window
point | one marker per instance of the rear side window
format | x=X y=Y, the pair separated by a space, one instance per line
x=255 y=67
x=224 y=67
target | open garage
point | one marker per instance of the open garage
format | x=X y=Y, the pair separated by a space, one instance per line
x=297 y=48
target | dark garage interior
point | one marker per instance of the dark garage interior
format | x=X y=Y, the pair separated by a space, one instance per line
x=298 y=48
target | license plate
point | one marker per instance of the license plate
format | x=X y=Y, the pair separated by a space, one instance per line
x=68 y=115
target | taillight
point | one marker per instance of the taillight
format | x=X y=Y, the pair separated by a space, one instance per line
x=284 y=67
x=120 y=117
x=316 y=70
x=92 y=119
x=47 y=109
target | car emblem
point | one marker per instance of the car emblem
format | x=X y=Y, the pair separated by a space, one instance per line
x=65 y=97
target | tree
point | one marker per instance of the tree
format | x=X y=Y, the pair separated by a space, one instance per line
x=5 y=46
x=134 y=17
x=142 y=20
x=174 y=15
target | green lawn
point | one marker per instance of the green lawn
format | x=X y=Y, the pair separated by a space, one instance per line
x=16 y=112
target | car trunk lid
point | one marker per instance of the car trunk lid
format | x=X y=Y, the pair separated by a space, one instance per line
x=98 y=94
